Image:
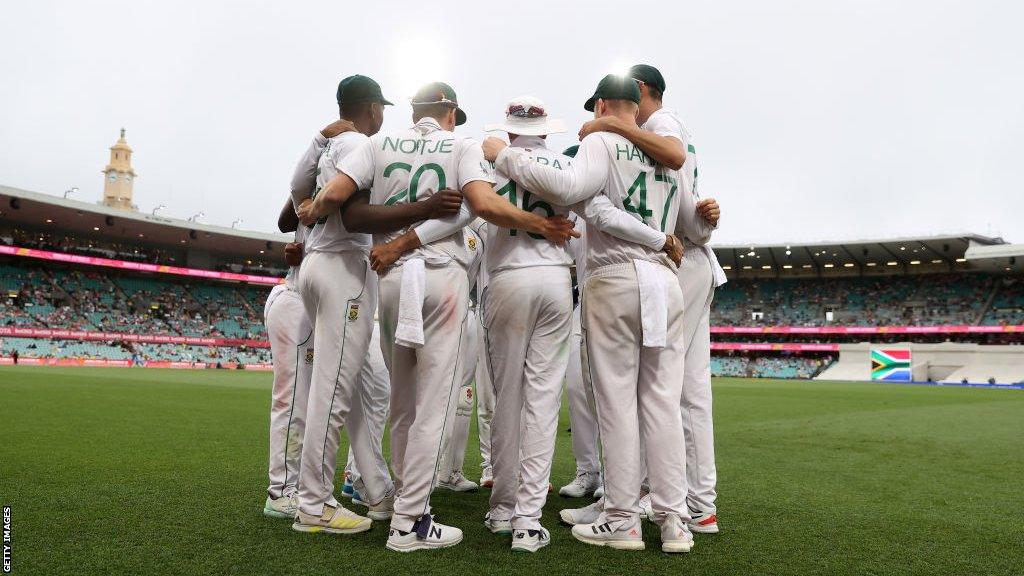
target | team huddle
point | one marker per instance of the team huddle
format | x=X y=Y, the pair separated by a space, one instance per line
x=425 y=261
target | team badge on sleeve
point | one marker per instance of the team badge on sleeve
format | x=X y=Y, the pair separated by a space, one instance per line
x=471 y=240
x=353 y=312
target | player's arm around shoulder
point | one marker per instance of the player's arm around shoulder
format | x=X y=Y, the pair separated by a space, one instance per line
x=664 y=145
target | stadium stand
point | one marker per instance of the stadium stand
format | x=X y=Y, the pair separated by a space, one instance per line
x=82 y=281
x=917 y=300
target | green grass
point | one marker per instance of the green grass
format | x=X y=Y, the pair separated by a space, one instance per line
x=149 y=471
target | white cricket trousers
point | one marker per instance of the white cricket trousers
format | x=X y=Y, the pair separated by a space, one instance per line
x=423 y=383
x=582 y=420
x=339 y=293
x=698 y=283
x=374 y=398
x=453 y=453
x=484 y=401
x=527 y=321
x=291 y=346
x=637 y=391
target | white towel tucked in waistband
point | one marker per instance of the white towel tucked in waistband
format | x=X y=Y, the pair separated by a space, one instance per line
x=409 y=332
x=653 y=303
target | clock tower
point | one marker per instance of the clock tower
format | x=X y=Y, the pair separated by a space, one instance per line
x=119 y=177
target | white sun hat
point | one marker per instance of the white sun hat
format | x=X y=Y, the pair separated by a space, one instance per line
x=527 y=116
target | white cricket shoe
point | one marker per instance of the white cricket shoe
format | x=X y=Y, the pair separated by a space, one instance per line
x=425 y=535
x=458 y=483
x=530 y=540
x=599 y=493
x=503 y=527
x=601 y=533
x=585 y=515
x=675 y=537
x=646 y=509
x=338 y=520
x=382 y=510
x=584 y=484
x=284 y=507
x=703 y=522
x=487 y=478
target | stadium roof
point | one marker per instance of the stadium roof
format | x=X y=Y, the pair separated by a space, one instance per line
x=930 y=253
x=39 y=211
x=895 y=255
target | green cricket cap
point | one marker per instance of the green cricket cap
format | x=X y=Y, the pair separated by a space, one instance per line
x=571 y=150
x=440 y=93
x=648 y=75
x=614 y=87
x=359 y=88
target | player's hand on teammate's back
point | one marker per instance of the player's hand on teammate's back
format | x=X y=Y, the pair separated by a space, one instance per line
x=603 y=124
x=305 y=212
x=559 y=229
x=492 y=147
x=293 y=253
x=674 y=248
x=382 y=256
x=443 y=203
x=338 y=127
x=709 y=210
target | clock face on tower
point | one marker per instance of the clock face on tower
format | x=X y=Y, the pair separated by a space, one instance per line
x=112 y=176
x=128 y=178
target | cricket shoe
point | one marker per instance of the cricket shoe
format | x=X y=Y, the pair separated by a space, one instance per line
x=338 y=520
x=284 y=507
x=487 y=478
x=646 y=509
x=599 y=493
x=585 y=515
x=381 y=510
x=502 y=527
x=703 y=522
x=584 y=484
x=530 y=540
x=675 y=537
x=458 y=483
x=425 y=535
x=347 y=489
x=602 y=533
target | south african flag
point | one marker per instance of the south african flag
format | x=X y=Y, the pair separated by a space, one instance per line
x=892 y=364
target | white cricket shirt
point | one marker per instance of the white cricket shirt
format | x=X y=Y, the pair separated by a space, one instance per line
x=329 y=233
x=411 y=165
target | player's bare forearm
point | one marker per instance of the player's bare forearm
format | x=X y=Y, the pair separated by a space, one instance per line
x=664 y=150
x=382 y=256
x=329 y=200
x=287 y=220
x=498 y=211
x=361 y=216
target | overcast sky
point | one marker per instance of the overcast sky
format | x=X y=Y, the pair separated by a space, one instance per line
x=812 y=120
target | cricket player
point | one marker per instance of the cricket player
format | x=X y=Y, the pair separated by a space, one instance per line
x=663 y=137
x=527 y=321
x=374 y=399
x=450 y=476
x=482 y=373
x=423 y=288
x=632 y=322
x=582 y=418
x=291 y=346
x=339 y=293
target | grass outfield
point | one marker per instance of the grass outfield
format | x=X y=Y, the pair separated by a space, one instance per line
x=160 y=471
